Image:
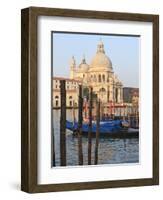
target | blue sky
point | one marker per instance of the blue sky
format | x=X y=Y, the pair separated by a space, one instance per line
x=122 y=50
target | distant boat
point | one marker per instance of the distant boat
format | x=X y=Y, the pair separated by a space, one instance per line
x=110 y=128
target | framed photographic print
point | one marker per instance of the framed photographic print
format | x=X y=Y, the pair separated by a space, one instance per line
x=90 y=99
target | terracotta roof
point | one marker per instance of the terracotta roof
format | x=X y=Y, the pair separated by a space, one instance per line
x=69 y=90
x=66 y=79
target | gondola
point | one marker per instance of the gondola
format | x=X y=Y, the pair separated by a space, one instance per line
x=110 y=128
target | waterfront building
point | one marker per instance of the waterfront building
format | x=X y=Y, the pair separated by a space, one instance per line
x=130 y=93
x=72 y=86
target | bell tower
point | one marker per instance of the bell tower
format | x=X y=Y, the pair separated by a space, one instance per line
x=72 y=67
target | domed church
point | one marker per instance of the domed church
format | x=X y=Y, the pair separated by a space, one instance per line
x=99 y=75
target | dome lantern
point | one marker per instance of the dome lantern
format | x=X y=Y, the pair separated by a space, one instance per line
x=83 y=60
x=100 y=47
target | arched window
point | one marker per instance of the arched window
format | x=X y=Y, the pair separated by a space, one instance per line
x=94 y=78
x=108 y=78
x=70 y=103
x=91 y=78
x=99 y=78
x=56 y=97
x=56 y=103
x=103 y=78
x=116 y=95
x=102 y=90
x=70 y=97
x=108 y=95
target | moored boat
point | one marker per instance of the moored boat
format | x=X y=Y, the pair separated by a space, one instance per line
x=110 y=128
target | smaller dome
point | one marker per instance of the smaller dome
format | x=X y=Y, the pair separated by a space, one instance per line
x=83 y=67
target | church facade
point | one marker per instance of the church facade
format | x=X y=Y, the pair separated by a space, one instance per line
x=98 y=74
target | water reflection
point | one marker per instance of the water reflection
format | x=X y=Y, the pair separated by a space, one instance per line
x=111 y=151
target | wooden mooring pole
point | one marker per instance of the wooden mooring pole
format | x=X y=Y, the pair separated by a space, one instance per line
x=73 y=112
x=97 y=131
x=53 y=148
x=80 y=122
x=90 y=126
x=63 y=124
x=137 y=117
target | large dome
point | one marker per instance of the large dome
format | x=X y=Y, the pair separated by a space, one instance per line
x=101 y=61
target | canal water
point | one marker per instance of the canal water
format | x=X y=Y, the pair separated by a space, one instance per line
x=111 y=151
